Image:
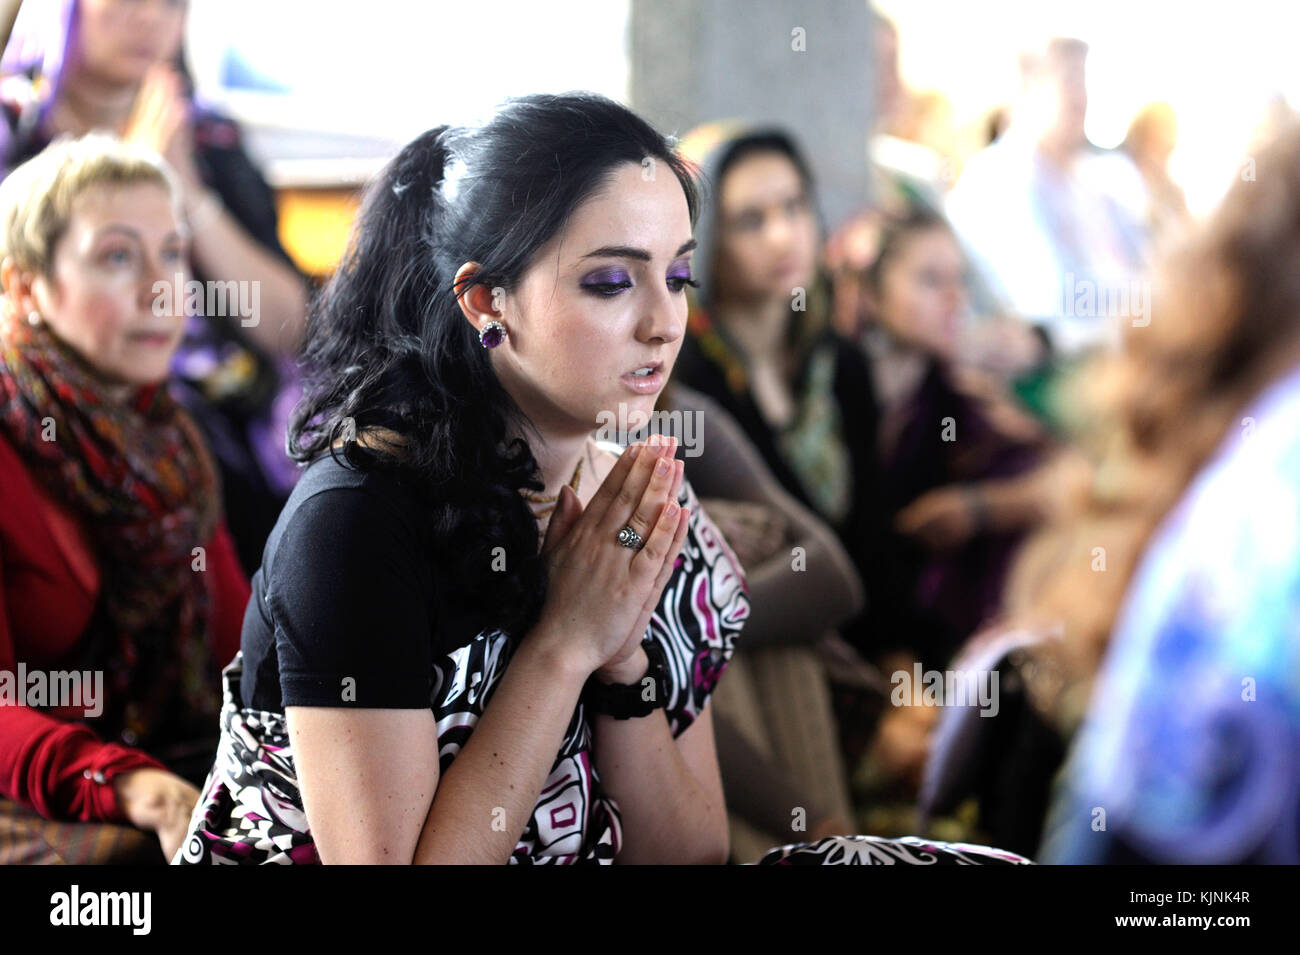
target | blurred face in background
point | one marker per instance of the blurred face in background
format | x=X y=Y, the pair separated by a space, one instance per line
x=1154 y=134
x=767 y=230
x=120 y=39
x=1071 y=91
x=921 y=296
x=99 y=299
x=1057 y=95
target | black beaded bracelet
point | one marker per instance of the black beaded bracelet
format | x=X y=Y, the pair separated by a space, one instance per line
x=625 y=701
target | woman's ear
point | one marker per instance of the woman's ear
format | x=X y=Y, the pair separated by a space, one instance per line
x=17 y=287
x=478 y=303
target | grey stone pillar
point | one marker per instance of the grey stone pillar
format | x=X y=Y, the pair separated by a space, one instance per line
x=806 y=66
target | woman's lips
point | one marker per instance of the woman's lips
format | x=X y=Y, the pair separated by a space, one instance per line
x=156 y=339
x=645 y=384
x=787 y=272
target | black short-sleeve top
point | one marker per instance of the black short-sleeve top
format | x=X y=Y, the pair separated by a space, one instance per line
x=344 y=607
x=346 y=610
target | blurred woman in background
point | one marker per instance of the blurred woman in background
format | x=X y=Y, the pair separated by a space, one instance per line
x=958 y=482
x=72 y=66
x=760 y=342
x=957 y=485
x=113 y=553
x=1173 y=587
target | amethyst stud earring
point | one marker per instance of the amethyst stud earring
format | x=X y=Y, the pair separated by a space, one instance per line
x=493 y=334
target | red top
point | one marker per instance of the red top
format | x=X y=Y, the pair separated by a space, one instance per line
x=49 y=584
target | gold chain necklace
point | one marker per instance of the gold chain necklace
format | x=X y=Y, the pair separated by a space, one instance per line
x=554 y=499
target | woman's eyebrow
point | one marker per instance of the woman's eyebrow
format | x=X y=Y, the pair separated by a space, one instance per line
x=117 y=227
x=134 y=233
x=627 y=252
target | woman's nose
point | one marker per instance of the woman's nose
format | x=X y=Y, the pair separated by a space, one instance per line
x=779 y=232
x=161 y=283
x=956 y=295
x=665 y=320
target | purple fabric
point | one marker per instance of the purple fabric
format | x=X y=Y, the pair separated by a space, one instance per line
x=42 y=35
x=950 y=593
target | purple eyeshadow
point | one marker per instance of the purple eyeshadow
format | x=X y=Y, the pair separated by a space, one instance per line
x=606 y=277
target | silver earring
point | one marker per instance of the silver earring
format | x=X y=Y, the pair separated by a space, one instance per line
x=492 y=335
x=33 y=318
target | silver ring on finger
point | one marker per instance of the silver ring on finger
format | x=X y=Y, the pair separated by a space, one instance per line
x=630 y=538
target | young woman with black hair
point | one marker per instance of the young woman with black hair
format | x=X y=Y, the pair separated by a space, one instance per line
x=419 y=681
x=406 y=566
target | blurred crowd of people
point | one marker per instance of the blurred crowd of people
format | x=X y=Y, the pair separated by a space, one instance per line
x=1020 y=415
